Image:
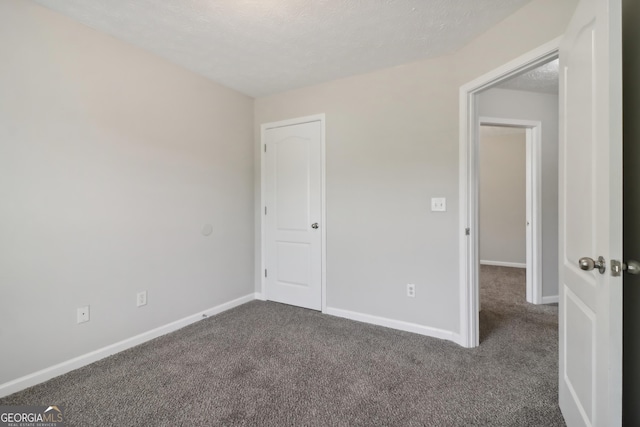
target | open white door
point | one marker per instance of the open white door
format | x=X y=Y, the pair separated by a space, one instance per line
x=590 y=310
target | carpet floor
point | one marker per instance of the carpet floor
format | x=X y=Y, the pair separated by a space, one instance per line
x=269 y=364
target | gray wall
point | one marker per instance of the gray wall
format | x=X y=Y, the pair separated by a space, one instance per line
x=512 y=104
x=111 y=162
x=631 y=211
x=502 y=195
x=387 y=154
x=392 y=144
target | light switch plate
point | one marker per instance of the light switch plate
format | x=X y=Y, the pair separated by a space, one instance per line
x=438 y=204
x=141 y=298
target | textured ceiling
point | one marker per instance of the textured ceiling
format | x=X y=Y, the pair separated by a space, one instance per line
x=261 y=47
x=543 y=79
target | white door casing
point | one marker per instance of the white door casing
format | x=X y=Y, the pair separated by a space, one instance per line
x=590 y=309
x=468 y=170
x=293 y=213
x=534 y=231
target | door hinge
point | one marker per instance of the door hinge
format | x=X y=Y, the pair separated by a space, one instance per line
x=265 y=148
x=265 y=272
x=265 y=210
x=467 y=231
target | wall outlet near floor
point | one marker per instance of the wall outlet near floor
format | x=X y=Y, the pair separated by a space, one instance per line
x=83 y=314
x=411 y=290
x=141 y=298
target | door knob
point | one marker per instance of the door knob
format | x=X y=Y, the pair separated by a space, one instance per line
x=314 y=225
x=588 y=264
x=631 y=267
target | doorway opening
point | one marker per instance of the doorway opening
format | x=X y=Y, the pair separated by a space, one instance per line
x=509 y=188
x=470 y=121
x=509 y=226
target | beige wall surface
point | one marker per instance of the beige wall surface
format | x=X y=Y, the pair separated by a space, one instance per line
x=535 y=24
x=502 y=195
x=392 y=144
x=513 y=104
x=389 y=150
x=111 y=162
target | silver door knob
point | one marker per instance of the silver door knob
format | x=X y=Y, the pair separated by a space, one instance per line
x=314 y=225
x=631 y=267
x=588 y=264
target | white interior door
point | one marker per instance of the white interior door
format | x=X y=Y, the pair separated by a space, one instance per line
x=293 y=214
x=529 y=219
x=590 y=310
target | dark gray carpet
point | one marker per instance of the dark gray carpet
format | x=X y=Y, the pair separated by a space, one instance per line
x=267 y=364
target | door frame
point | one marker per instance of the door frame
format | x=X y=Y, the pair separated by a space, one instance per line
x=533 y=175
x=468 y=190
x=323 y=210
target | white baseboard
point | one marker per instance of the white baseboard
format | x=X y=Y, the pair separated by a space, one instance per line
x=86 y=359
x=553 y=299
x=260 y=296
x=393 y=324
x=504 y=264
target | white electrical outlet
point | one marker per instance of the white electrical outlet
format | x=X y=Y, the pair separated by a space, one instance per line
x=411 y=290
x=83 y=314
x=141 y=298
